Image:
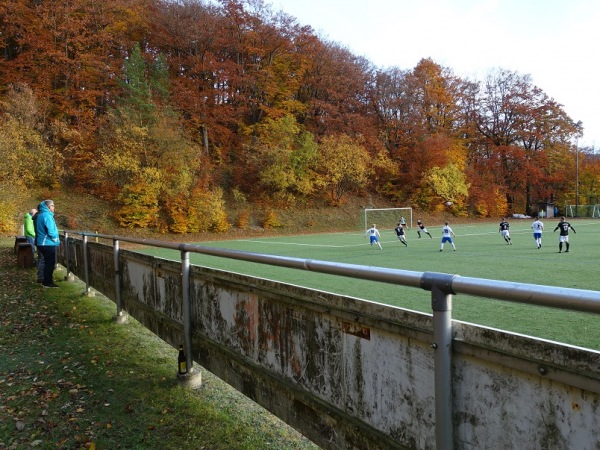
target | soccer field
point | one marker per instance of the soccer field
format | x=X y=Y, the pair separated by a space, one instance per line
x=481 y=252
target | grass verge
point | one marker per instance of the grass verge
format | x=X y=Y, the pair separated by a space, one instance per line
x=71 y=378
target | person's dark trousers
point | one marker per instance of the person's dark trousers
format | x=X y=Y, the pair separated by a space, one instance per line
x=40 y=265
x=49 y=253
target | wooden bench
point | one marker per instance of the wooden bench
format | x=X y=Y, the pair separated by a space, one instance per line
x=24 y=255
x=19 y=240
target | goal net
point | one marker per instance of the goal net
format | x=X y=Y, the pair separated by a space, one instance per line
x=387 y=218
x=583 y=211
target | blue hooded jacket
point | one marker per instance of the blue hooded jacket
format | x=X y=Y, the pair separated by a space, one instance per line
x=47 y=233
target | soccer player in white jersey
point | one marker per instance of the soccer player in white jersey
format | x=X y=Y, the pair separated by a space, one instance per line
x=374 y=236
x=504 y=229
x=537 y=227
x=447 y=235
x=564 y=226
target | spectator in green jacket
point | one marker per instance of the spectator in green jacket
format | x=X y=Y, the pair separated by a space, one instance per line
x=30 y=229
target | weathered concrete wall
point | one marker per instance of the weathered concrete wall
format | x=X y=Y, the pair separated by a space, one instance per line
x=355 y=374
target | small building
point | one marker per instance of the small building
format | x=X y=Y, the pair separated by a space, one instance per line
x=546 y=210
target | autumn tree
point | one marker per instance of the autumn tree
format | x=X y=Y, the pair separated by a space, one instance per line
x=420 y=115
x=449 y=185
x=70 y=54
x=28 y=162
x=233 y=95
x=281 y=159
x=583 y=185
x=138 y=200
x=343 y=166
x=188 y=33
x=589 y=178
x=519 y=125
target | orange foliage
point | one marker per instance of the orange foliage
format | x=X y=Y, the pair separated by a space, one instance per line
x=232 y=67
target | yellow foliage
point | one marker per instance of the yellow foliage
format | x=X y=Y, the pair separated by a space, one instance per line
x=448 y=183
x=343 y=166
x=26 y=159
x=139 y=201
x=8 y=216
x=270 y=219
x=177 y=211
x=207 y=211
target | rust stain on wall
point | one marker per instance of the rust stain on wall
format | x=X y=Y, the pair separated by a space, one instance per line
x=356 y=330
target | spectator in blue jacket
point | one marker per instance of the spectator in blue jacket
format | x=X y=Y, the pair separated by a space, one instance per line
x=47 y=240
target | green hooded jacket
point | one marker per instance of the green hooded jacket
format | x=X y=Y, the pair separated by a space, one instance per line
x=29 y=228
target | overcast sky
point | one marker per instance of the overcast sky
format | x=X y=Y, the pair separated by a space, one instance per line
x=554 y=41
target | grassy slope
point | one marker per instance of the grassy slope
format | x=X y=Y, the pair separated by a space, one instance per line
x=71 y=378
x=83 y=212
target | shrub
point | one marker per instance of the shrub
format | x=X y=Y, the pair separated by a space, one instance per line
x=270 y=219
x=207 y=211
x=242 y=220
x=139 y=200
x=177 y=214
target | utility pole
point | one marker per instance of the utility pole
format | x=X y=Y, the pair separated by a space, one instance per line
x=576 y=177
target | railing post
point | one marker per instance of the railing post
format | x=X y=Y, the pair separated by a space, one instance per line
x=440 y=286
x=67 y=262
x=85 y=265
x=120 y=317
x=192 y=377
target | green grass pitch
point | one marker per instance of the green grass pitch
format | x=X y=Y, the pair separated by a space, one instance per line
x=481 y=252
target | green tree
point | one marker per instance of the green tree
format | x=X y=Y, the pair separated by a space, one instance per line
x=139 y=84
x=283 y=156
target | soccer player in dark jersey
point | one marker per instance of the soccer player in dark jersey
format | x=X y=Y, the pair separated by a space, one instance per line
x=504 y=226
x=400 y=233
x=422 y=229
x=564 y=226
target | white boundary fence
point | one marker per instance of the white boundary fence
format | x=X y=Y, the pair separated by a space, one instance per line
x=359 y=369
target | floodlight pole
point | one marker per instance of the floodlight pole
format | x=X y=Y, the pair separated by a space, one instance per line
x=576 y=177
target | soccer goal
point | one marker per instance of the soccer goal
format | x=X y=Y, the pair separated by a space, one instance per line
x=583 y=211
x=387 y=218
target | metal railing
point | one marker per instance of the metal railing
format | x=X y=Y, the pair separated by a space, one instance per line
x=441 y=285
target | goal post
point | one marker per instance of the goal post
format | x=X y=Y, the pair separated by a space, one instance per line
x=387 y=218
x=583 y=211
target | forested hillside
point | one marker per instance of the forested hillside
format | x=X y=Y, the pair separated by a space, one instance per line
x=170 y=109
